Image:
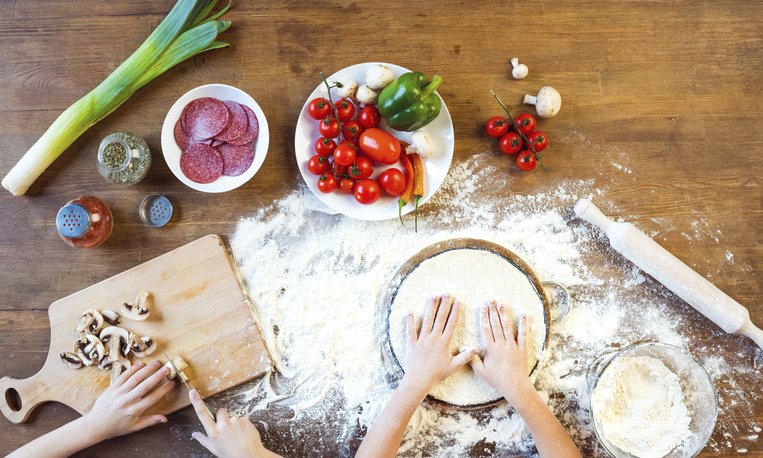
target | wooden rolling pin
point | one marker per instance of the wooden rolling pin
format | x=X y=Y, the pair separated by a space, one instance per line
x=690 y=286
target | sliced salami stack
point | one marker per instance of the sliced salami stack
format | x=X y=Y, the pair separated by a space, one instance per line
x=216 y=138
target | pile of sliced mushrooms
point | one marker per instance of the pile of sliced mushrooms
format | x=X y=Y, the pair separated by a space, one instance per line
x=103 y=344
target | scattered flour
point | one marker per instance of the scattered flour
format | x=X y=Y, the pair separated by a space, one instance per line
x=315 y=281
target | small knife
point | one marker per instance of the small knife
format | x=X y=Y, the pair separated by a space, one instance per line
x=188 y=385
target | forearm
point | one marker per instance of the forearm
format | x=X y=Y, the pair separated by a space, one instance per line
x=386 y=434
x=62 y=442
x=550 y=437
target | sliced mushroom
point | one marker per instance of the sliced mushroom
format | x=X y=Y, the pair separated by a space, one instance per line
x=91 y=321
x=111 y=317
x=84 y=349
x=138 y=311
x=143 y=346
x=94 y=348
x=118 y=340
x=117 y=367
x=181 y=365
x=71 y=360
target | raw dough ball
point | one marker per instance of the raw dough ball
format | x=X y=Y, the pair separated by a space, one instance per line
x=473 y=277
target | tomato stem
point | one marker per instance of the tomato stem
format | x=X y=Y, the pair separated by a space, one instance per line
x=516 y=126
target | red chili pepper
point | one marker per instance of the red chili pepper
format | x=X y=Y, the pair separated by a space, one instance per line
x=418 y=185
x=406 y=196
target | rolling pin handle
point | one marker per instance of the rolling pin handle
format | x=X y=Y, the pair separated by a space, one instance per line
x=753 y=332
x=14 y=400
x=586 y=210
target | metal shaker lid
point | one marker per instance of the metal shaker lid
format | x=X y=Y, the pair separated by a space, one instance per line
x=73 y=220
x=155 y=210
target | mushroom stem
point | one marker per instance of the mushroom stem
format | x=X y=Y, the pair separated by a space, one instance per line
x=530 y=99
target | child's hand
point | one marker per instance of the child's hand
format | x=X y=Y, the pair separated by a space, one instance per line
x=504 y=365
x=119 y=410
x=228 y=437
x=429 y=357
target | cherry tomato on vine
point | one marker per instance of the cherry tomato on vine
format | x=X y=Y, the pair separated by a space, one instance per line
x=346 y=185
x=339 y=170
x=539 y=140
x=351 y=130
x=318 y=165
x=367 y=191
x=327 y=182
x=344 y=154
x=393 y=181
x=369 y=117
x=324 y=146
x=511 y=143
x=344 y=109
x=319 y=108
x=497 y=126
x=526 y=123
x=329 y=127
x=362 y=168
x=526 y=160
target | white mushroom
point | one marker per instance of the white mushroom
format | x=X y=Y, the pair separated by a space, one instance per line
x=519 y=71
x=547 y=102
x=71 y=360
x=137 y=311
x=378 y=77
x=117 y=367
x=142 y=347
x=346 y=88
x=181 y=365
x=111 y=317
x=366 y=95
x=118 y=340
x=422 y=144
x=94 y=348
x=91 y=321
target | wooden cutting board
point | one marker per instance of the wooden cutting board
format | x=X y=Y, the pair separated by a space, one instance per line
x=198 y=313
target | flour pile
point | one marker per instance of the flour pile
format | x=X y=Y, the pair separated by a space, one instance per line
x=315 y=281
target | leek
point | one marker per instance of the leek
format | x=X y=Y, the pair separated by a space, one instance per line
x=188 y=30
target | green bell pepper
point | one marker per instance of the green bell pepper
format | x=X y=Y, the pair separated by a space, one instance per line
x=409 y=103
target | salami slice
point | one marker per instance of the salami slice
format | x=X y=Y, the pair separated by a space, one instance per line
x=205 y=117
x=201 y=163
x=236 y=159
x=181 y=138
x=237 y=125
x=252 y=129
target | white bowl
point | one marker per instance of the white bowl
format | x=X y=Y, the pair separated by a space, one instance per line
x=441 y=131
x=172 y=151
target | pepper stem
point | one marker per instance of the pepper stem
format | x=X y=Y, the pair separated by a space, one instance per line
x=431 y=87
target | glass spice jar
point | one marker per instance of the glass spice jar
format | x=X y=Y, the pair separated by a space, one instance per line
x=123 y=158
x=84 y=222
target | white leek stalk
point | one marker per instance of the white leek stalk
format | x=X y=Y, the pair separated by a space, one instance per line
x=187 y=31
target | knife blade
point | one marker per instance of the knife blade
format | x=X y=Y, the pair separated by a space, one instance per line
x=183 y=378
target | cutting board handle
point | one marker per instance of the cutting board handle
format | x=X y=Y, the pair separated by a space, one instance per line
x=18 y=397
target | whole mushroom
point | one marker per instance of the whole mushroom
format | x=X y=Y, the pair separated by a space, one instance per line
x=519 y=71
x=366 y=95
x=547 y=102
x=346 y=88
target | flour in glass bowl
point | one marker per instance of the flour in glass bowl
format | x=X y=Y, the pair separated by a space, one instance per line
x=315 y=280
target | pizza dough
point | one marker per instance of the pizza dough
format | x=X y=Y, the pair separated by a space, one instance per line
x=474 y=277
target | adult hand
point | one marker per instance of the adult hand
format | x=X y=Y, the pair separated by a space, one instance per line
x=429 y=356
x=119 y=410
x=504 y=364
x=227 y=437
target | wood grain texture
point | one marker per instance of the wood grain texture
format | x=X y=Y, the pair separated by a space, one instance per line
x=662 y=109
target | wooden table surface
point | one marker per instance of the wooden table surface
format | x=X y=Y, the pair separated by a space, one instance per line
x=670 y=91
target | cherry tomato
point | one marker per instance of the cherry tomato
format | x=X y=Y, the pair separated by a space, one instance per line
x=369 y=117
x=497 y=126
x=328 y=127
x=526 y=123
x=526 y=160
x=344 y=154
x=367 y=191
x=324 y=146
x=319 y=108
x=346 y=185
x=340 y=170
x=351 y=130
x=539 y=141
x=327 y=182
x=380 y=146
x=511 y=143
x=393 y=182
x=362 y=168
x=318 y=165
x=344 y=109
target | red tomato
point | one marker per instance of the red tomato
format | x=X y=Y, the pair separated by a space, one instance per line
x=539 y=141
x=369 y=117
x=340 y=170
x=345 y=110
x=319 y=108
x=329 y=127
x=344 y=154
x=526 y=160
x=393 y=182
x=318 y=165
x=351 y=130
x=324 y=146
x=380 y=146
x=497 y=126
x=362 y=168
x=346 y=185
x=367 y=191
x=327 y=182
x=511 y=143
x=526 y=123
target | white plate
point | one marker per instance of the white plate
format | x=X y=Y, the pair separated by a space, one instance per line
x=441 y=131
x=172 y=151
